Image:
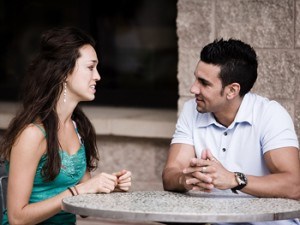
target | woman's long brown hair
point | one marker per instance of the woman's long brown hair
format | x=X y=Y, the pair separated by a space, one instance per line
x=43 y=84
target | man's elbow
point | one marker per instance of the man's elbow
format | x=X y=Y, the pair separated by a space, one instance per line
x=167 y=186
x=165 y=182
x=292 y=190
x=171 y=183
x=294 y=193
x=168 y=180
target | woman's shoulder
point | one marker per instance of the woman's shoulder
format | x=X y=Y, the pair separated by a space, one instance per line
x=40 y=127
x=32 y=138
x=36 y=130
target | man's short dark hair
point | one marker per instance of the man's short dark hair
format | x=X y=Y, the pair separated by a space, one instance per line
x=238 y=62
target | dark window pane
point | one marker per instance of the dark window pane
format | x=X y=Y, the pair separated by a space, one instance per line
x=136 y=46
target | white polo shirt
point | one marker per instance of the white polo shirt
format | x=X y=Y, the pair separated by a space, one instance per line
x=260 y=125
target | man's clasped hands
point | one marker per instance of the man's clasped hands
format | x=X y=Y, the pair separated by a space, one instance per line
x=207 y=173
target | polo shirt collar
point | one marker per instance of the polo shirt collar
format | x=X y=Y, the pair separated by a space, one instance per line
x=245 y=112
x=244 y=115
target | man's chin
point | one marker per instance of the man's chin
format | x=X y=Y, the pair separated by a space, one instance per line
x=201 y=110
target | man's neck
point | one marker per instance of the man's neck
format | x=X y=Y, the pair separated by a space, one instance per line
x=228 y=114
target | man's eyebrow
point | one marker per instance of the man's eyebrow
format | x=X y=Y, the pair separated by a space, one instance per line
x=204 y=81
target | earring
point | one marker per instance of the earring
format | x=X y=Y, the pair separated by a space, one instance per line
x=65 y=91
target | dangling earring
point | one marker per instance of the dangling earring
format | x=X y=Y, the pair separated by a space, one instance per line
x=65 y=91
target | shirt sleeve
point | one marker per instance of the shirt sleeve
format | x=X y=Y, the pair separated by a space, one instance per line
x=184 y=126
x=278 y=128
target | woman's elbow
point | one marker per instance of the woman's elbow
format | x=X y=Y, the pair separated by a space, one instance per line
x=16 y=220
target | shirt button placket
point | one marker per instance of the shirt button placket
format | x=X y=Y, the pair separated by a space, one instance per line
x=224 y=142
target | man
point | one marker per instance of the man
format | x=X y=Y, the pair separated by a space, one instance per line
x=230 y=139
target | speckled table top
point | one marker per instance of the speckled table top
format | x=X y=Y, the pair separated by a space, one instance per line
x=182 y=207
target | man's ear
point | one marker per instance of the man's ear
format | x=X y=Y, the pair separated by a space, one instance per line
x=233 y=90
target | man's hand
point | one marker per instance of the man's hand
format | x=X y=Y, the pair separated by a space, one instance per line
x=197 y=176
x=208 y=173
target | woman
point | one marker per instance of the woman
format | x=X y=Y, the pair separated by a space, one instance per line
x=50 y=146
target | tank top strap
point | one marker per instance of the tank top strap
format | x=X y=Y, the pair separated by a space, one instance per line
x=78 y=135
x=41 y=128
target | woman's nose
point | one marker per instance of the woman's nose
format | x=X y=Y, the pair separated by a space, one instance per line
x=97 y=76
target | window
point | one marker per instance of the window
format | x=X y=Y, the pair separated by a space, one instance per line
x=136 y=46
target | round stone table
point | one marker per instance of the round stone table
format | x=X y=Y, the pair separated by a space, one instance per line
x=163 y=206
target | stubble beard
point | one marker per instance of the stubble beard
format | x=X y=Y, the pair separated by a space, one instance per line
x=201 y=109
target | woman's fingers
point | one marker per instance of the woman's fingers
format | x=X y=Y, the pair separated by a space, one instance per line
x=123 y=174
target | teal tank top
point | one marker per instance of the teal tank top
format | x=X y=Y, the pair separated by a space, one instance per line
x=73 y=168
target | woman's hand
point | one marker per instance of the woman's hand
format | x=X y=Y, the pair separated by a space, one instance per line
x=123 y=180
x=100 y=183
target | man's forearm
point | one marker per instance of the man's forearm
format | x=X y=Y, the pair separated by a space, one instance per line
x=273 y=185
x=173 y=180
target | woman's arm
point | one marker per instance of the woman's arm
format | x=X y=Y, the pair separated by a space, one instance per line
x=24 y=158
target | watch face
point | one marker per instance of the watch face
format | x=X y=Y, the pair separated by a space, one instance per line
x=241 y=178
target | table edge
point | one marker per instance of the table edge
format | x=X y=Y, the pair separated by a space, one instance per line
x=142 y=216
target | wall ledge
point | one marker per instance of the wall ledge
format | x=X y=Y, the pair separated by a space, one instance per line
x=118 y=121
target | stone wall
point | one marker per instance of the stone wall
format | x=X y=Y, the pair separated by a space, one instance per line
x=272 y=27
x=144 y=157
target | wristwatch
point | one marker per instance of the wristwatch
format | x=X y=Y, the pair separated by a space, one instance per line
x=241 y=180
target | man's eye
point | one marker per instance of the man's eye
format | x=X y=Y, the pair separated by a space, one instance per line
x=203 y=82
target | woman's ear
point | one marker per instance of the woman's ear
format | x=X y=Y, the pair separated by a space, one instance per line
x=233 y=90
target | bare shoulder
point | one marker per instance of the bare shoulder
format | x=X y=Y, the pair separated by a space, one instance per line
x=31 y=139
x=33 y=132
